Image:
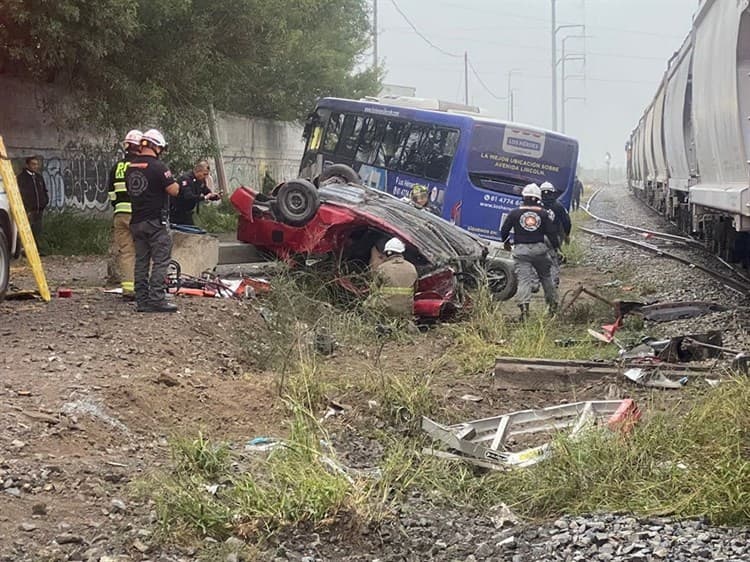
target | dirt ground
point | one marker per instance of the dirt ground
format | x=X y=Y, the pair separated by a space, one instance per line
x=91 y=391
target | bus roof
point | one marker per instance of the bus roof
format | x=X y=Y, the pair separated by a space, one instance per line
x=436 y=116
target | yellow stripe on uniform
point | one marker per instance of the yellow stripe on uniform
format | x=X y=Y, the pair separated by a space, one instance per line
x=123 y=207
x=397 y=290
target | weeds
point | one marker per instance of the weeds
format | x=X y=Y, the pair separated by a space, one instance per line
x=488 y=333
x=70 y=233
x=217 y=218
x=688 y=462
x=204 y=496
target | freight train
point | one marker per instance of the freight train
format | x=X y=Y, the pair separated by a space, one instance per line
x=689 y=156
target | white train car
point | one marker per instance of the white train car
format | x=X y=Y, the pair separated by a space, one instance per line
x=689 y=156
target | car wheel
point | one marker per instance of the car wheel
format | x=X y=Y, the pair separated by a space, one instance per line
x=342 y=171
x=4 y=265
x=501 y=279
x=297 y=202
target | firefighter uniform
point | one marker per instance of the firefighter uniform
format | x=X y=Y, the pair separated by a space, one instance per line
x=123 y=248
x=393 y=286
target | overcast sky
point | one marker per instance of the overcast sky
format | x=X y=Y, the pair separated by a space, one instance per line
x=627 y=50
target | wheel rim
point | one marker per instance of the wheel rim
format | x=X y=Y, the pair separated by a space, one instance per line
x=296 y=202
x=497 y=280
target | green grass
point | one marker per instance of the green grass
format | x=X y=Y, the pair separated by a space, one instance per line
x=491 y=331
x=692 y=460
x=256 y=496
x=217 y=219
x=71 y=233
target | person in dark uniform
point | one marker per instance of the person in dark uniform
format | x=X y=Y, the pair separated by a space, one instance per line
x=532 y=228
x=193 y=190
x=149 y=183
x=575 y=201
x=561 y=220
x=34 y=194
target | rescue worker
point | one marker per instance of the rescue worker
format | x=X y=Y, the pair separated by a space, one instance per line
x=123 y=249
x=532 y=230
x=394 y=280
x=419 y=198
x=149 y=183
x=561 y=220
x=193 y=190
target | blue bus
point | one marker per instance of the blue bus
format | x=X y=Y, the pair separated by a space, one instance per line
x=474 y=167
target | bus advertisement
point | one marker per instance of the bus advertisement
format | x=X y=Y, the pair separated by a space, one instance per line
x=474 y=168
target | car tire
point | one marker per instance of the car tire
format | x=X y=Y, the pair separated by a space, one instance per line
x=4 y=265
x=296 y=202
x=343 y=171
x=501 y=279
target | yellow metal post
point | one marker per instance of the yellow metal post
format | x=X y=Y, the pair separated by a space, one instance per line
x=22 y=222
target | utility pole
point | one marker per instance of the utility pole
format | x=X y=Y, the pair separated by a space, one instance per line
x=219 y=160
x=374 y=33
x=511 y=108
x=565 y=57
x=466 y=77
x=554 y=65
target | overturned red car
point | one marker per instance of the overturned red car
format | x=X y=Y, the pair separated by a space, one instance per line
x=342 y=220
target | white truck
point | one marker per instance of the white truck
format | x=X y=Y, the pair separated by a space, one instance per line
x=9 y=246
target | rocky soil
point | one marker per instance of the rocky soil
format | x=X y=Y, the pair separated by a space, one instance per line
x=90 y=392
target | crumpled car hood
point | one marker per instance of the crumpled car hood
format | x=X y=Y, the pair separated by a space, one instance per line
x=438 y=240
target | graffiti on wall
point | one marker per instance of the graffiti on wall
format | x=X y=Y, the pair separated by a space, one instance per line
x=76 y=176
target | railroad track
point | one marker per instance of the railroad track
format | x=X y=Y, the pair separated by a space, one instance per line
x=662 y=244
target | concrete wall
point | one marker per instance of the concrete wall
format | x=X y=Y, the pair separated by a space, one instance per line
x=76 y=164
x=249 y=147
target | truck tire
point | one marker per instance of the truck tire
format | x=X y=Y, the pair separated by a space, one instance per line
x=4 y=265
x=342 y=171
x=501 y=279
x=296 y=202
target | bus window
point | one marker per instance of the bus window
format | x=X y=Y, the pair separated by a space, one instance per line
x=349 y=136
x=333 y=132
x=393 y=137
x=372 y=133
x=409 y=157
x=439 y=149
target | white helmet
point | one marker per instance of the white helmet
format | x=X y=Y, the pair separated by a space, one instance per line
x=134 y=137
x=154 y=137
x=532 y=190
x=394 y=246
x=547 y=186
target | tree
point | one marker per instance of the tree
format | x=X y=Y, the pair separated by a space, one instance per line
x=162 y=63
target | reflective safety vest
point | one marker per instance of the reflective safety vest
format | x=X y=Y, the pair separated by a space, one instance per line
x=393 y=286
x=118 y=193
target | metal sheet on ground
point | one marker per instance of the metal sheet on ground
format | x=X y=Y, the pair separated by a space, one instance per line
x=22 y=222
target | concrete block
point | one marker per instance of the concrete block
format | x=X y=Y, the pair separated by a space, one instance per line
x=195 y=253
x=238 y=252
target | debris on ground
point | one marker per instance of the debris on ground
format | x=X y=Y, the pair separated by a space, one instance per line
x=670 y=311
x=522 y=373
x=486 y=442
x=654 y=379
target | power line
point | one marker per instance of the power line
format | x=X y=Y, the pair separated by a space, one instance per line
x=547 y=21
x=487 y=88
x=530 y=47
x=421 y=35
